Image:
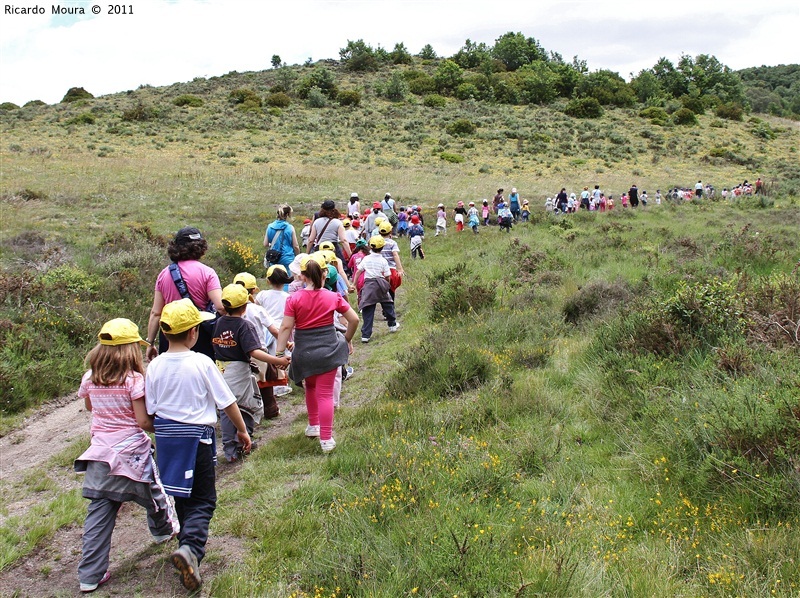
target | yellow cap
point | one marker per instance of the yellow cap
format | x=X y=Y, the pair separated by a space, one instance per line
x=314 y=257
x=346 y=222
x=234 y=295
x=182 y=315
x=377 y=242
x=379 y=219
x=327 y=246
x=385 y=227
x=119 y=331
x=271 y=269
x=330 y=256
x=246 y=279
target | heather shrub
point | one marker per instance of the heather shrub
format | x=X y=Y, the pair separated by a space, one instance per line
x=8 y=106
x=461 y=127
x=188 y=100
x=242 y=95
x=434 y=101
x=730 y=111
x=86 y=118
x=278 y=99
x=454 y=293
x=140 y=112
x=684 y=116
x=349 y=97
x=76 y=93
x=584 y=108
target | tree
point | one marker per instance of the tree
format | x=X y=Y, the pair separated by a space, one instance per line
x=400 y=55
x=286 y=78
x=358 y=56
x=427 y=52
x=276 y=61
x=321 y=78
x=671 y=80
x=396 y=88
x=607 y=87
x=537 y=83
x=516 y=50
x=448 y=76
x=471 y=55
x=646 y=86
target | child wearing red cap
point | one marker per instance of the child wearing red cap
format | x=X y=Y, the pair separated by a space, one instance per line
x=416 y=235
x=305 y=232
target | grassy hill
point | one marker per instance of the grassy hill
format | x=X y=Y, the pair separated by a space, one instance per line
x=600 y=404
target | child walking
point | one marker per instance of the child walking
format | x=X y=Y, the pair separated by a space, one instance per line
x=184 y=389
x=416 y=235
x=236 y=340
x=273 y=300
x=377 y=276
x=472 y=213
x=441 y=220
x=119 y=466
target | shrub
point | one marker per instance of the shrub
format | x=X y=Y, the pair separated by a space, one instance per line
x=451 y=157
x=238 y=256
x=655 y=114
x=467 y=91
x=763 y=131
x=434 y=100
x=140 y=112
x=76 y=93
x=82 y=119
x=316 y=98
x=584 y=108
x=684 y=116
x=695 y=104
x=730 y=111
x=242 y=95
x=249 y=105
x=349 y=97
x=278 y=99
x=188 y=99
x=594 y=299
x=461 y=127
x=396 y=87
x=454 y=293
x=34 y=103
x=421 y=84
x=9 y=106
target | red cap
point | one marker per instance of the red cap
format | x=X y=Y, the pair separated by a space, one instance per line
x=377 y=204
x=415 y=219
x=355 y=223
x=307 y=221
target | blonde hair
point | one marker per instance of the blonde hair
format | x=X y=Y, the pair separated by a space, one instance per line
x=284 y=211
x=110 y=365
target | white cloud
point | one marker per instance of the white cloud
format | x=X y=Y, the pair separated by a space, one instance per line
x=41 y=56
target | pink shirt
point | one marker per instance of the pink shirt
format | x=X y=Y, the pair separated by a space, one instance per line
x=112 y=406
x=199 y=278
x=314 y=308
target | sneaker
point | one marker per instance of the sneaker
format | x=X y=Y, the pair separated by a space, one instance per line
x=163 y=539
x=347 y=373
x=394 y=328
x=364 y=339
x=185 y=562
x=280 y=391
x=312 y=431
x=327 y=445
x=91 y=587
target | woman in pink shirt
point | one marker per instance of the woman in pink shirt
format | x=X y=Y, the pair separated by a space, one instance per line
x=319 y=350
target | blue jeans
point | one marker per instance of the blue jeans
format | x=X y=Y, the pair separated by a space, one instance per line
x=369 y=316
x=195 y=512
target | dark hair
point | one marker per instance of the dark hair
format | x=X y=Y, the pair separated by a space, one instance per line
x=278 y=276
x=314 y=273
x=329 y=213
x=179 y=337
x=187 y=250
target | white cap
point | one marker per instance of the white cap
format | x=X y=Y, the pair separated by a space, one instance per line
x=354 y=194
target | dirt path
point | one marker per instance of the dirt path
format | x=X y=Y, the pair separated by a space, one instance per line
x=137 y=566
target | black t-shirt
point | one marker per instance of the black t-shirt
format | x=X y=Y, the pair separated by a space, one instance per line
x=234 y=338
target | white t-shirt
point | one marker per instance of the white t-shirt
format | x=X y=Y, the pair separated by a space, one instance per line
x=274 y=302
x=186 y=387
x=388 y=252
x=374 y=266
x=262 y=320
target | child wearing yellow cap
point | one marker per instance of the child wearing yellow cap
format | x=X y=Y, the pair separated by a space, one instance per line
x=118 y=464
x=236 y=341
x=183 y=391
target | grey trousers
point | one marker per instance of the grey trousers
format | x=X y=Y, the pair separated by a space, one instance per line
x=101 y=518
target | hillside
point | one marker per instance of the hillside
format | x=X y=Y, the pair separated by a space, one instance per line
x=595 y=404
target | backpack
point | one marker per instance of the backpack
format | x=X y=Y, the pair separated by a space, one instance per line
x=273 y=255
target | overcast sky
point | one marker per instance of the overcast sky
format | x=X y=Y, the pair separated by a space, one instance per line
x=168 y=41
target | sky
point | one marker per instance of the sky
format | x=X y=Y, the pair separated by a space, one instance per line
x=168 y=41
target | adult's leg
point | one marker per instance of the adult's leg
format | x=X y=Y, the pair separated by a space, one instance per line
x=196 y=511
x=101 y=516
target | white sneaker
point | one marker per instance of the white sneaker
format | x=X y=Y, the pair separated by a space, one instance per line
x=91 y=587
x=327 y=445
x=364 y=339
x=312 y=431
x=395 y=327
x=281 y=391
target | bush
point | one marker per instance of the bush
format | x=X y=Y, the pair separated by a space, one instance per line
x=655 y=114
x=396 y=88
x=349 y=97
x=595 y=299
x=434 y=100
x=695 y=104
x=34 y=104
x=684 y=116
x=316 y=98
x=454 y=293
x=140 y=112
x=421 y=84
x=238 y=257
x=76 y=93
x=82 y=119
x=461 y=127
x=467 y=91
x=242 y=95
x=278 y=99
x=730 y=111
x=584 y=108
x=9 y=106
x=451 y=157
x=188 y=100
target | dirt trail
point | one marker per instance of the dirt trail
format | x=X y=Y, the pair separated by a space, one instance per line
x=137 y=566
